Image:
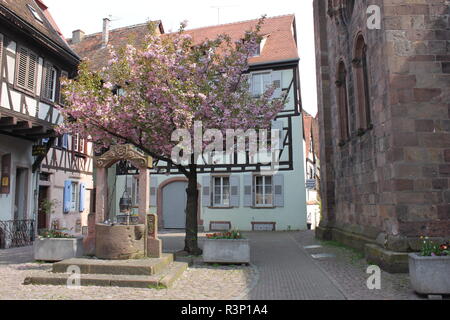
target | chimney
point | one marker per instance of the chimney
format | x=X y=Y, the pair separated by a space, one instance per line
x=105 y=35
x=77 y=36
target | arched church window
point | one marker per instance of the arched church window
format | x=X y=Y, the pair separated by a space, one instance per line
x=342 y=101
x=362 y=84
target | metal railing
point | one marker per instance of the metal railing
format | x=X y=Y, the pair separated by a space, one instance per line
x=16 y=233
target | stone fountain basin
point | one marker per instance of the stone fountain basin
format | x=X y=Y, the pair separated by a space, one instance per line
x=119 y=242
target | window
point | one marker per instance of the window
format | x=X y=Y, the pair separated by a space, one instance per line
x=49 y=82
x=63 y=141
x=75 y=143
x=26 y=69
x=260 y=83
x=81 y=147
x=263 y=191
x=362 y=84
x=342 y=100
x=74 y=197
x=221 y=191
x=78 y=144
x=35 y=14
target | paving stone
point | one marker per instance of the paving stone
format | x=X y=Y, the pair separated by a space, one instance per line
x=323 y=256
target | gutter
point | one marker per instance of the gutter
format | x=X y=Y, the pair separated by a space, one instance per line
x=276 y=63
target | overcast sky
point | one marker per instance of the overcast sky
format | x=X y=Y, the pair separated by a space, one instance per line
x=87 y=15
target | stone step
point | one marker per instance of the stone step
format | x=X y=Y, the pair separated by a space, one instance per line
x=141 y=267
x=165 y=279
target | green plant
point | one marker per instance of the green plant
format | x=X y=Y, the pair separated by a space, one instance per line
x=433 y=249
x=231 y=235
x=47 y=206
x=55 y=234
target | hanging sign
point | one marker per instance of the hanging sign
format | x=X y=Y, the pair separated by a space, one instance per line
x=5 y=185
x=39 y=150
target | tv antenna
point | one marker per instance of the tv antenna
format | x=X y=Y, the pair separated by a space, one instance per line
x=218 y=11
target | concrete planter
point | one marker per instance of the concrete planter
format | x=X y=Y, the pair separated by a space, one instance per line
x=226 y=251
x=429 y=275
x=51 y=249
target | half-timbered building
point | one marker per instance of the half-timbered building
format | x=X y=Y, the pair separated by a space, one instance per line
x=234 y=194
x=35 y=164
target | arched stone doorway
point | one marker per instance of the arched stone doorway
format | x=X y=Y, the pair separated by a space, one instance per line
x=169 y=193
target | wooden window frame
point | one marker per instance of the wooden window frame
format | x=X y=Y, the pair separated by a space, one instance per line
x=260 y=73
x=222 y=188
x=75 y=202
x=18 y=86
x=55 y=98
x=264 y=194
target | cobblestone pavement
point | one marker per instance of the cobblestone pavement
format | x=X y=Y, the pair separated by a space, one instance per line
x=281 y=269
x=286 y=272
x=199 y=282
x=348 y=270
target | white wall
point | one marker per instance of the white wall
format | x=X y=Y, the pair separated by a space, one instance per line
x=20 y=157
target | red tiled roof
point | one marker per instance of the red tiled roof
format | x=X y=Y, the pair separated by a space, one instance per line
x=280 y=45
x=91 y=46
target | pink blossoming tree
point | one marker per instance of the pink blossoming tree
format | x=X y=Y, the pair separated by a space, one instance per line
x=168 y=83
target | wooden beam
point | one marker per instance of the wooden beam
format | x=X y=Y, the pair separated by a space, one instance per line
x=8 y=121
x=26 y=131
x=18 y=125
x=37 y=136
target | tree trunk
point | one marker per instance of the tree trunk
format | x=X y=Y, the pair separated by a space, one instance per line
x=191 y=240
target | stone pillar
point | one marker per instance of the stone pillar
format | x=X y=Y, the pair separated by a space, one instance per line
x=89 y=240
x=101 y=205
x=154 y=245
x=144 y=193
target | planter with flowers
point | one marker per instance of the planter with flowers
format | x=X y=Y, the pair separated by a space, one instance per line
x=429 y=269
x=57 y=245
x=228 y=247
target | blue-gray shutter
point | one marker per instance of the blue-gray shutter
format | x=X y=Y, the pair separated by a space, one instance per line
x=65 y=143
x=82 y=197
x=279 y=125
x=235 y=194
x=277 y=81
x=278 y=182
x=248 y=190
x=67 y=195
x=153 y=190
x=206 y=191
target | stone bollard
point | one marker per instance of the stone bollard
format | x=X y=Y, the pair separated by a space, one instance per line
x=154 y=245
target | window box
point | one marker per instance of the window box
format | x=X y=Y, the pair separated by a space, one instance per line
x=226 y=251
x=429 y=275
x=52 y=249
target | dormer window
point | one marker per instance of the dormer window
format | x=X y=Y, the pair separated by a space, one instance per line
x=35 y=14
x=260 y=48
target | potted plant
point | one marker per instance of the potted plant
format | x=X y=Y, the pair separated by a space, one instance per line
x=57 y=245
x=429 y=269
x=227 y=247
